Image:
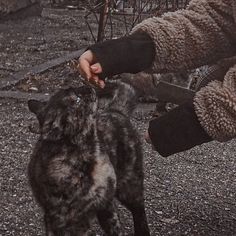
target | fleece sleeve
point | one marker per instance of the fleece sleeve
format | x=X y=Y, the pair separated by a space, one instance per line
x=202 y=34
x=215 y=106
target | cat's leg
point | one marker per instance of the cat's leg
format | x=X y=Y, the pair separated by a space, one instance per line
x=80 y=228
x=48 y=229
x=109 y=220
x=131 y=196
x=139 y=216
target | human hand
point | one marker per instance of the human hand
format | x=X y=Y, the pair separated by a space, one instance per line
x=90 y=68
x=147 y=137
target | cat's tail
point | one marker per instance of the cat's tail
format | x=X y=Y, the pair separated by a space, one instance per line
x=124 y=99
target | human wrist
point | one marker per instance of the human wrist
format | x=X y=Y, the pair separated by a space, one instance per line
x=129 y=54
x=177 y=131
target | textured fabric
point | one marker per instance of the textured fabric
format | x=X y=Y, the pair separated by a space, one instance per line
x=129 y=54
x=215 y=106
x=177 y=130
x=202 y=34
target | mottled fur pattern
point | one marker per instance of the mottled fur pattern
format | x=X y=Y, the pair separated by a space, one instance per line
x=84 y=159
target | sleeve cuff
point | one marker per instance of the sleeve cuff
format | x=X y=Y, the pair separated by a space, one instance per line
x=130 y=54
x=177 y=131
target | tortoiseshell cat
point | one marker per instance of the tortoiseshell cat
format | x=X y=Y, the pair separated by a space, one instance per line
x=84 y=159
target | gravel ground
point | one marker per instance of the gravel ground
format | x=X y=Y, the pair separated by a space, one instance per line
x=191 y=193
x=34 y=40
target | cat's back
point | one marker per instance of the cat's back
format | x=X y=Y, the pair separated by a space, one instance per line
x=114 y=122
x=119 y=138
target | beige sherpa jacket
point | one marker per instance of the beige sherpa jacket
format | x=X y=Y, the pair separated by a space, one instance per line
x=202 y=34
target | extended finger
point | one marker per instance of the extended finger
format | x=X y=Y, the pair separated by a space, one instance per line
x=96 y=68
x=95 y=78
x=147 y=137
x=84 y=69
x=101 y=83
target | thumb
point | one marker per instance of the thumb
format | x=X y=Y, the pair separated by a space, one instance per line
x=96 y=68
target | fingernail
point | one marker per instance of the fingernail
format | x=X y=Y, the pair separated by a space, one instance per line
x=101 y=84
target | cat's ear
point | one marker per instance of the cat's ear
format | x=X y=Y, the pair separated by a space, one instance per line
x=36 y=107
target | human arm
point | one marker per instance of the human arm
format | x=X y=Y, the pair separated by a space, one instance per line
x=201 y=34
x=177 y=130
x=129 y=54
x=211 y=115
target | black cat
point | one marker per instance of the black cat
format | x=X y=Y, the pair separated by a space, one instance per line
x=84 y=159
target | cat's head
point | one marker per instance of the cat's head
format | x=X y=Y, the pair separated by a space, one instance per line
x=66 y=114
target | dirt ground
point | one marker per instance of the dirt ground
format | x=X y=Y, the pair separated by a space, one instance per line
x=31 y=41
x=191 y=193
